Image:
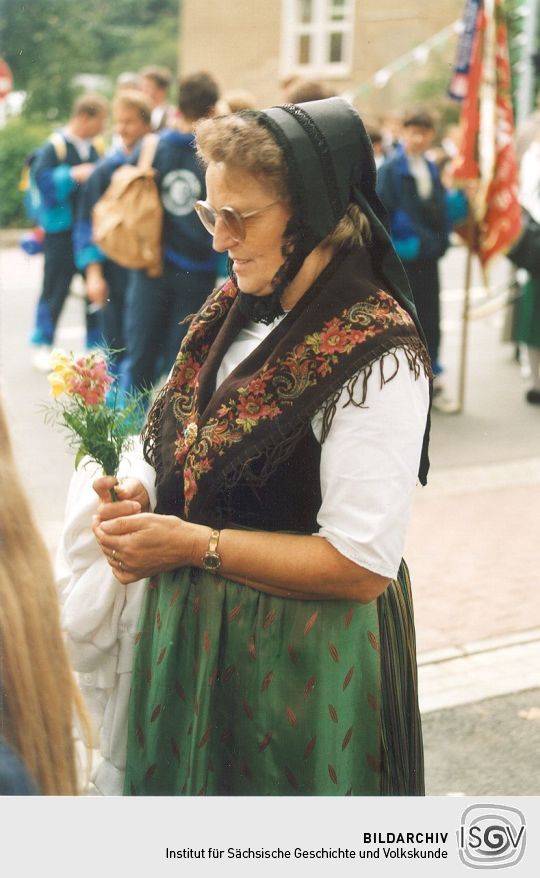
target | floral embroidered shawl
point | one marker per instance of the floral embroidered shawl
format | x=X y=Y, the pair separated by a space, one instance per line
x=201 y=439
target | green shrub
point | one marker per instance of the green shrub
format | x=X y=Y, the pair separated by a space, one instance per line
x=17 y=140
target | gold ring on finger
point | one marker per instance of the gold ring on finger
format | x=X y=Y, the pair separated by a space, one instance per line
x=114 y=554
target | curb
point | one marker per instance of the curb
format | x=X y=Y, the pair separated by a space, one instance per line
x=476 y=647
x=449 y=678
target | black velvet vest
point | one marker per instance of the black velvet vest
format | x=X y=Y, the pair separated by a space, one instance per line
x=288 y=500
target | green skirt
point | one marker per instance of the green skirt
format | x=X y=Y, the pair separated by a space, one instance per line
x=528 y=323
x=235 y=692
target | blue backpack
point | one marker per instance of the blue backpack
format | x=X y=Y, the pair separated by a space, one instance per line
x=28 y=185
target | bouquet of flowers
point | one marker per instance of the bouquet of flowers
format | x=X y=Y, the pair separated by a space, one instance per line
x=97 y=426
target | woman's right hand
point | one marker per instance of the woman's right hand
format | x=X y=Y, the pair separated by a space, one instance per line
x=132 y=498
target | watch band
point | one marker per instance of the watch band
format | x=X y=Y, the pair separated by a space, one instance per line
x=213 y=541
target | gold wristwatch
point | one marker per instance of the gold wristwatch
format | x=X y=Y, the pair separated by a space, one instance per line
x=211 y=560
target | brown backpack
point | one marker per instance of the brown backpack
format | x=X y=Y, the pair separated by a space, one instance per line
x=127 y=221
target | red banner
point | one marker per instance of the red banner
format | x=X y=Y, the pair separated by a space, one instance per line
x=487 y=156
x=6 y=79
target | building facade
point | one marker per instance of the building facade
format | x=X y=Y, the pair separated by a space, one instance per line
x=256 y=45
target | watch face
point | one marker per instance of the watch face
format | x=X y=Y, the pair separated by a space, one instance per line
x=212 y=561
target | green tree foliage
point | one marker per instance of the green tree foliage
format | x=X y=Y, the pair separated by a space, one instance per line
x=48 y=42
x=17 y=140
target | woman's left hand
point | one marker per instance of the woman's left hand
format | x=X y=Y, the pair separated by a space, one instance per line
x=137 y=546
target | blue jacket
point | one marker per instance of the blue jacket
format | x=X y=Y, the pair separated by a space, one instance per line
x=419 y=227
x=181 y=183
x=14 y=779
x=58 y=192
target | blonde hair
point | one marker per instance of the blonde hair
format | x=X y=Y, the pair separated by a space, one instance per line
x=244 y=145
x=133 y=99
x=39 y=699
x=90 y=105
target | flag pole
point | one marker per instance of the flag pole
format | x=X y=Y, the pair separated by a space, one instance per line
x=486 y=156
x=462 y=375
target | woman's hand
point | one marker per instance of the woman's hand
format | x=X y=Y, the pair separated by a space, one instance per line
x=128 y=491
x=132 y=500
x=140 y=545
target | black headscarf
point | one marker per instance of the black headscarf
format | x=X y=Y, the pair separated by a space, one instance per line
x=330 y=165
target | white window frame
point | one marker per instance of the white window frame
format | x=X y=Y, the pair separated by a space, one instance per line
x=319 y=29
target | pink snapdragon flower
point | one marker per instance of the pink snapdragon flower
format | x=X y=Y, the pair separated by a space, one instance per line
x=89 y=380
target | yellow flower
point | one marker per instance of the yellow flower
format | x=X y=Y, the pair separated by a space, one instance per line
x=60 y=360
x=58 y=382
x=62 y=369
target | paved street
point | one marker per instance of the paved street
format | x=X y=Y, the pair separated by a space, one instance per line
x=471 y=547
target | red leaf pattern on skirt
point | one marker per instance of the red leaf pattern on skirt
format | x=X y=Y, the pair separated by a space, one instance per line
x=348 y=678
x=333 y=650
x=310 y=622
x=310 y=747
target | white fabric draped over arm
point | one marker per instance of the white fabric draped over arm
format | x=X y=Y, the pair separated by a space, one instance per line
x=99 y=614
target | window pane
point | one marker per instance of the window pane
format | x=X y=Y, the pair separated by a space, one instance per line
x=304 y=49
x=335 y=55
x=338 y=9
x=305 y=11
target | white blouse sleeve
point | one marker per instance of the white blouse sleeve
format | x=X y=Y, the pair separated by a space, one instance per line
x=369 y=468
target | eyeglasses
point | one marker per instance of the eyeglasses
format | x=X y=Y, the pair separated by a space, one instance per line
x=233 y=221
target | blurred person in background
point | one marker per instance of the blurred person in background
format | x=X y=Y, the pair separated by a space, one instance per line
x=298 y=90
x=128 y=80
x=410 y=187
x=157 y=306
x=238 y=99
x=39 y=700
x=155 y=82
x=451 y=140
x=106 y=281
x=528 y=317
x=391 y=127
x=59 y=168
x=376 y=139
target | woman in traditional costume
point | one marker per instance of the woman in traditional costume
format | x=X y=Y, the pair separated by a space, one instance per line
x=275 y=652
